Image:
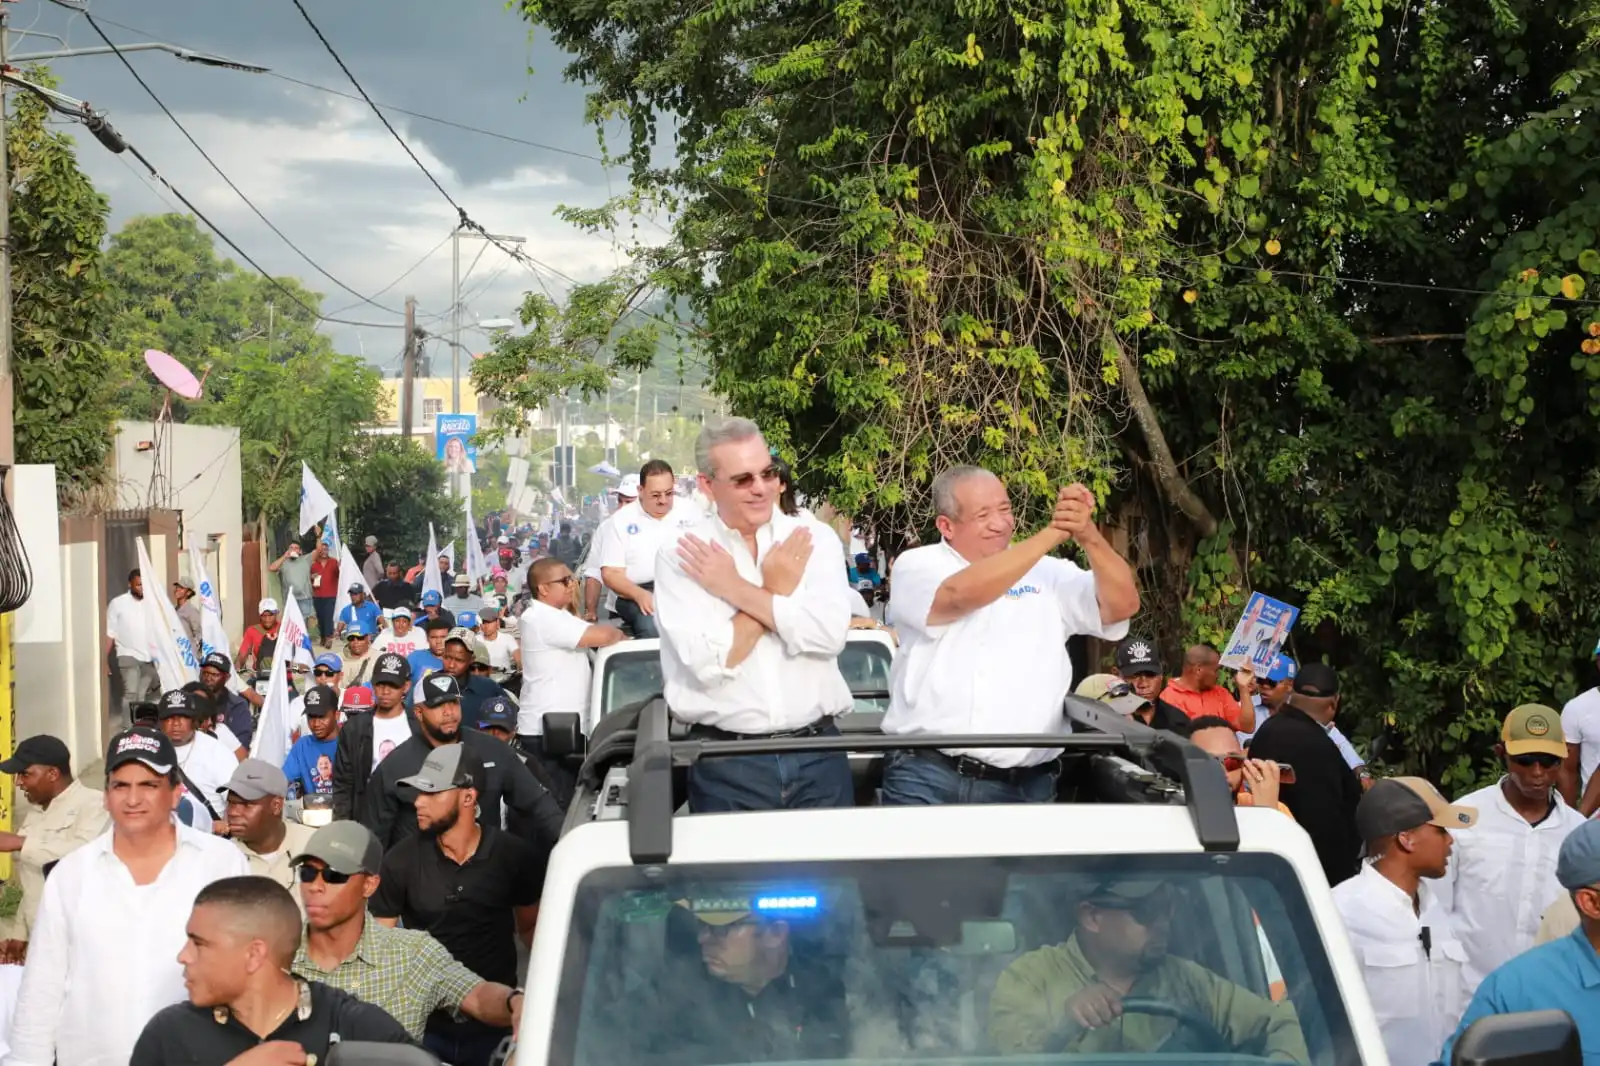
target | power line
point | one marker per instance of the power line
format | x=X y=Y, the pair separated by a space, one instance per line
x=404 y=274
x=221 y=174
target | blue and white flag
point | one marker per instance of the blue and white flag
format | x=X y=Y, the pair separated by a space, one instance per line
x=477 y=565
x=169 y=645
x=294 y=637
x=273 y=728
x=315 y=502
x=213 y=633
x=330 y=535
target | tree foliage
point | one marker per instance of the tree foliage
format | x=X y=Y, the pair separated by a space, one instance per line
x=1307 y=285
x=61 y=369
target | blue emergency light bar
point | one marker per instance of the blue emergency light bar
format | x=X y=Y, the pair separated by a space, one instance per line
x=789 y=904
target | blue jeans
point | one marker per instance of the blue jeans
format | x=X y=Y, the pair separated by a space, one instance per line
x=772 y=782
x=912 y=780
x=641 y=625
x=463 y=1045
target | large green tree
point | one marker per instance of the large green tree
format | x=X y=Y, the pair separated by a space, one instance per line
x=62 y=372
x=1304 y=286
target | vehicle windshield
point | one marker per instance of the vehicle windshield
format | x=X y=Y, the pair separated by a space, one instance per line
x=961 y=960
x=634 y=676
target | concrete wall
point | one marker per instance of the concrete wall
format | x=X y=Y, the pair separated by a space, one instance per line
x=201 y=480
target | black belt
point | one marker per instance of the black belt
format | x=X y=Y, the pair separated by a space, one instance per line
x=977 y=769
x=711 y=732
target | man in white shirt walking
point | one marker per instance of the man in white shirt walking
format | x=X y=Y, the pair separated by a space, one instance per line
x=204 y=763
x=1405 y=944
x=128 y=638
x=627 y=544
x=754 y=607
x=983 y=627
x=555 y=656
x=1580 y=722
x=103 y=956
x=1503 y=878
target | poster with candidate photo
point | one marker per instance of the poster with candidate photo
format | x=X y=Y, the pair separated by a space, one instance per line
x=452 y=435
x=1260 y=635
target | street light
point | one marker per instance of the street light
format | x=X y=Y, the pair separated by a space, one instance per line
x=188 y=55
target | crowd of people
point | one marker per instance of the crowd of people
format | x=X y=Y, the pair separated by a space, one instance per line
x=419 y=749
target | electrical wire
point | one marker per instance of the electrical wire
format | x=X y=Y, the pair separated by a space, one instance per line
x=403 y=276
x=318 y=267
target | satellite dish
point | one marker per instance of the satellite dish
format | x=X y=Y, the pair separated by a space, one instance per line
x=173 y=374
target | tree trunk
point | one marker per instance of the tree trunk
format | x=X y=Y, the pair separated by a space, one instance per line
x=1168 y=478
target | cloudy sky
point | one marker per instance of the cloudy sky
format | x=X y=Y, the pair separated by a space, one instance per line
x=322 y=167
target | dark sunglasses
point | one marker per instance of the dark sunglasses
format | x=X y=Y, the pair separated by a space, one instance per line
x=1232 y=763
x=1542 y=759
x=322 y=673
x=744 y=481
x=309 y=874
x=1147 y=911
x=569 y=581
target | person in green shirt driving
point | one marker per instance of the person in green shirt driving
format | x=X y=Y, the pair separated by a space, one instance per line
x=1069 y=997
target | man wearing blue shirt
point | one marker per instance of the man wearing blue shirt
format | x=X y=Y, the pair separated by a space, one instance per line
x=360 y=609
x=426 y=661
x=309 y=766
x=1563 y=974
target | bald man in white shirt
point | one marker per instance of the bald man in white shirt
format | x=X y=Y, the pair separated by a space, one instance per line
x=983 y=627
x=754 y=607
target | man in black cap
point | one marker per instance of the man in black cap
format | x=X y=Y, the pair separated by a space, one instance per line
x=243 y=934
x=1406 y=945
x=472 y=886
x=233 y=708
x=1140 y=666
x=365 y=740
x=404 y=971
x=532 y=812
x=204 y=762
x=103 y=958
x=64 y=815
x=1325 y=791
x=459 y=647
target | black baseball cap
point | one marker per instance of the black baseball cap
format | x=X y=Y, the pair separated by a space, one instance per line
x=497 y=712
x=391 y=669
x=217 y=661
x=1316 y=680
x=1137 y=656
x=141 y=744
x=440 y=689
x=178 y=703
x=38 y=751
x=321 y=700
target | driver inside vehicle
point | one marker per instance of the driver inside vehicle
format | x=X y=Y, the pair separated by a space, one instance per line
x=1113 y=986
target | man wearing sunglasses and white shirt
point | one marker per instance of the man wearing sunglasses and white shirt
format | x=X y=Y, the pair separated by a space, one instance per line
x=1503 y=875
x=627 y=543
x=754 y=607
x=984 y=624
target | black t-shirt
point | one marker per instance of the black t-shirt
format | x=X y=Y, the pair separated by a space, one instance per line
x=391 y=594
x=1325 y=792
x=186 y=1035
x=467 y=907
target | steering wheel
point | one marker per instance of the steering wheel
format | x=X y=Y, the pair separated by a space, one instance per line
x=1212 y=1042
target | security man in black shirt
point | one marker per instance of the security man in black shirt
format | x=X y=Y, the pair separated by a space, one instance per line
x=509 y=791
x=1325 y=791
x=242 y=934
x=472 y=887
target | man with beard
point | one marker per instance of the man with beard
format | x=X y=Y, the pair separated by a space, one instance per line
x=532 y=812
x=469 y=885
x=1067 y=998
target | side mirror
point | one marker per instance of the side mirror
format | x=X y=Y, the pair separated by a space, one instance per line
x=563 y=734
x=365 y=1053
x=1529 y=1038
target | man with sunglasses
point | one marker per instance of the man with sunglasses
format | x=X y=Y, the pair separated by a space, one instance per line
x=1560 y=975
x=984 y=624
x=1503 y=878
x=405 y=972
x=1067 y=998
x=754 y=608
x=555 y=656
x=627 y=543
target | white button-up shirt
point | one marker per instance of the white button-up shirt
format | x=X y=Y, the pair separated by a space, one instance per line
x=128 y=627
x=555 y=669
x=632 y=538
x=791 y=679
x=103 y=956
x=1000 y=669
x=1416 y=993
x=1502 y=879
x=1580 y=724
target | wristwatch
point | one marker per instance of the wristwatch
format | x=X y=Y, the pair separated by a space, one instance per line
x=511 y=995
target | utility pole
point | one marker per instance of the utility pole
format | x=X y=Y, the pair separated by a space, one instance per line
x=409 y=372
x=455 y=321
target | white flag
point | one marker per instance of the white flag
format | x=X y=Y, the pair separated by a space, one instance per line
x=449 y=554
x=271 y=741
x=213 y=634
x=477 y=566
x=430 y=568
x=170 y=647
x=315 y=503
x=293 y=638
x=349 y=574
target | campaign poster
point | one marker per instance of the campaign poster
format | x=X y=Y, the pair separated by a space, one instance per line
x=1260 y=635
x=452 y=441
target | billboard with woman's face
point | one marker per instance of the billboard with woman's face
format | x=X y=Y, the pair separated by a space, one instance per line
x=452 y=438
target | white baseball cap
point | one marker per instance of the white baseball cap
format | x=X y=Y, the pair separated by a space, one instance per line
x=629 y=486
x=267 y=604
